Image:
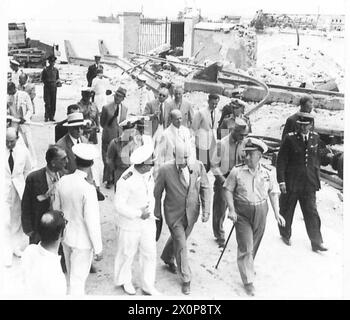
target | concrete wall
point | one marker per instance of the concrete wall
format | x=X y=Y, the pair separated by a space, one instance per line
x=130 y=32
x=238 y=47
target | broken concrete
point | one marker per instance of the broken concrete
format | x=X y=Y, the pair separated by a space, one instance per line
x=237 y=46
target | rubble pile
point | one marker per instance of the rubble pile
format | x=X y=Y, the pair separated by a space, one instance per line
x=294 y=66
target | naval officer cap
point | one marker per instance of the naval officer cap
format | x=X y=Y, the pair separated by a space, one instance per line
x=305 y=118
x=254 y=144
x=130 y=122
x=142 y=154
x=85 y=151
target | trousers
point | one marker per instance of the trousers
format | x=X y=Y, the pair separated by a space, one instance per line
x=128 y=243
x=307 y=200
x=250 y=227
x=204 y=156
x=176 y=248
x=78 y=264
x=50 y=92
x=219 y=210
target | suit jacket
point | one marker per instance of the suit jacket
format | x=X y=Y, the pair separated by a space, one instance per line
x=179 y=199
x=32 y=208
x=290 y=125
x=168 y=141
x=92 y=73
x=114 y=130
x=205 y=131
x=22 y=167
x=299 y=166
x=67 y=143
x=186 y=111
x=152 y=108
x=60 y=130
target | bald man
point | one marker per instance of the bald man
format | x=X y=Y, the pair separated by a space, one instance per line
x=184 y=106
x=175 y=133
x=17 y=167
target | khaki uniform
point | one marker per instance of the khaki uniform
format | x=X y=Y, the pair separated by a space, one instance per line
x=250 y=192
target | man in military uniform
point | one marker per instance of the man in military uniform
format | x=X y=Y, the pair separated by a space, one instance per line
x=298 y=175
x=247 y=188
x=136 y=228
x=228 y=154
x=120 y=148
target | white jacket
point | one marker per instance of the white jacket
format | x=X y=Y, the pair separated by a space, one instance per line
x=22 y=166
x=134 y=191
x=77 y=199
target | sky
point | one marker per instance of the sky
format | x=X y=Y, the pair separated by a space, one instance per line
x=81 y=9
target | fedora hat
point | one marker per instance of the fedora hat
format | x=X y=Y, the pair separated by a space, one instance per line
x=121 y=92
x=14 y=62
x=75 y=119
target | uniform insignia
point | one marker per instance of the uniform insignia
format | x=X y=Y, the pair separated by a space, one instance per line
x=266 y=167
x=127 y=176
x=239 y=165
x=291 y=133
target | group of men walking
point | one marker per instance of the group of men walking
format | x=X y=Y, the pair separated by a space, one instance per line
x=157 y=159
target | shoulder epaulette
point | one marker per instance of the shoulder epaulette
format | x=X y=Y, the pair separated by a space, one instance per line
x=127 y=176
x=239 y=165
x=266 y=167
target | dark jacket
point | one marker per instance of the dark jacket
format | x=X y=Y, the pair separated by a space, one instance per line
x=32 y=208
x=299 y=166
x=92 y=73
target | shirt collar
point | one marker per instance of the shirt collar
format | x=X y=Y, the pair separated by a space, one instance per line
x=50 y=173
x=75 y=141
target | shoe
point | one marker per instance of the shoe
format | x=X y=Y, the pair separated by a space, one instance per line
x=249 y=289
x=18 y=253
x=129 y=289
x=186 y=288
x=93 y=269
x=171 y=267
x=109 y=185
x=286 y=241
x=46 y=119
x=318 y=247
x=152 y=292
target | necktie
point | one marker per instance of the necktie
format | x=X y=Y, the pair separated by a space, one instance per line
x=161 y=114
x=78 y=141
x=212 y=118
x=10 y=160
x=182 y=178
x=305 y=141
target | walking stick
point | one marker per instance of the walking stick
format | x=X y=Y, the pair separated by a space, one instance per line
x=223 y=250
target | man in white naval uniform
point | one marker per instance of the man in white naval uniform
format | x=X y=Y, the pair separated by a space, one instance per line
x=136 y=228
x=77 y=199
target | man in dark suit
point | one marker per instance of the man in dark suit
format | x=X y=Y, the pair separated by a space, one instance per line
x=60 y=129
x=51 y=80
x=306 y=106
x=158 y=110
x=75 y=124
x=38 y=191
x=111 y=116
x=186 y=186
x=298 y=175
x=92 y=70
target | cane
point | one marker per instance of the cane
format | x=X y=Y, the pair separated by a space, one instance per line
x=223 y=250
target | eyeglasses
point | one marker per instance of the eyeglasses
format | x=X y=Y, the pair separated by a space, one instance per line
x=162 y=95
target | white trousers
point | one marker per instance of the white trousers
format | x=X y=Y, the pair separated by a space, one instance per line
x=128 y=242
x=14 y=237
x=78 y=263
